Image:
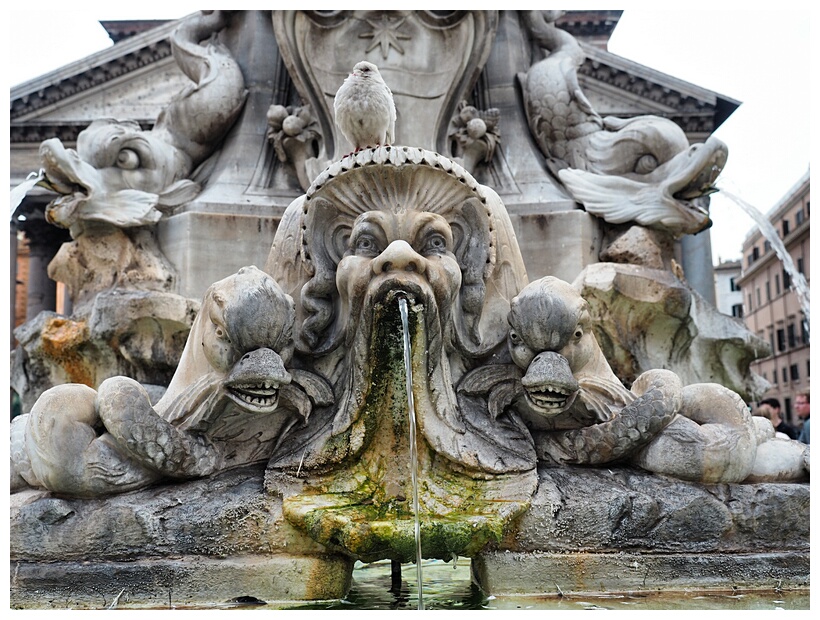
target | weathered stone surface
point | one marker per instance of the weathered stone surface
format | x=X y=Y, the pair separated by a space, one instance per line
x=640 y=531
x=648 y=318
x=561 y=574
x=634 y=511
x=179 y=583
x=166 y=521
x=139 y=334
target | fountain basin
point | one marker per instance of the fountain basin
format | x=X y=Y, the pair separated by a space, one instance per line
x=68 y=553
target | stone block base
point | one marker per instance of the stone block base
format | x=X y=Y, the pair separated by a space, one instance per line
x=205 y=247
x=556 y=243
x=183 y=582
x=533 y=573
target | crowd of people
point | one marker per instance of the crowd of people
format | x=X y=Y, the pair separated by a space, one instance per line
x=770 y=408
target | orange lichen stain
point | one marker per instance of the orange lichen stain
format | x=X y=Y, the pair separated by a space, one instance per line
x=62 y=339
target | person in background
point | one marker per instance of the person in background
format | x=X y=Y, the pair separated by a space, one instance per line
x=780 y=425
x=801 y=406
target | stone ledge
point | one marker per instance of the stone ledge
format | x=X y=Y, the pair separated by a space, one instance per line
x=506 y=573
x=181 y=582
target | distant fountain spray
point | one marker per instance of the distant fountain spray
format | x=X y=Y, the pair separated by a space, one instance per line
x=414 y=460
x=801 y=287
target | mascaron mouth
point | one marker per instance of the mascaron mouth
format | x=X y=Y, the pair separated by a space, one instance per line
x=550 y=400
x=390 y=291
x=255 y=381
x=255 y=397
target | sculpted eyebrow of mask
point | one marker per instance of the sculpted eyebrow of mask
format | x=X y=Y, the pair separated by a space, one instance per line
x=323 y=305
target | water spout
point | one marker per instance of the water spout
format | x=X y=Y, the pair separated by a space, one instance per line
x=19 y=192
x=801 y=287
x=414 y=464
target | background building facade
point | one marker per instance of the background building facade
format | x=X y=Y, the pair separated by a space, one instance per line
x=770 y=305
x=728 y=296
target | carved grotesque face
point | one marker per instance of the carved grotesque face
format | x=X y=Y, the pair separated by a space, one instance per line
x=410 y=251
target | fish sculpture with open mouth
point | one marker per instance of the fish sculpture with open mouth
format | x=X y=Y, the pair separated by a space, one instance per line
x=580 y=413
x=231 y=402
x=673 y=196
x=125 y=176
x=638 y=169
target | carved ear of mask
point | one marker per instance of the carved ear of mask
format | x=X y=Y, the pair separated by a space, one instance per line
x=472 y=242
x=494 y=273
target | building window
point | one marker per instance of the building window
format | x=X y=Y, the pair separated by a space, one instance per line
x=800 y=265
x=794 y=371
x=766 y=246
x=781 y=345
x=790 y=336
x=750 y=302
x=787 y=280
x=804 y=331
x=777 y=284
x=808 y=208
x=757 y=294
x=798 y=218
x=808 y=368
x=737 y=311
x=785 y=224
x=733 y=286
x=768 y=291
x=774 y=376
x=785 y=375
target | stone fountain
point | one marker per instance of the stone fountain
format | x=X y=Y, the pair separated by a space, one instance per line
x=579 y=436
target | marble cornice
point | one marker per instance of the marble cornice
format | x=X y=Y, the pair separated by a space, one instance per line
x=91 y=78
x=592 y=24
x=28 y=132
x=696 y=110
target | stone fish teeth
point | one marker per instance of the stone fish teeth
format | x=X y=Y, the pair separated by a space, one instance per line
x=257 y=395
x=548 y=397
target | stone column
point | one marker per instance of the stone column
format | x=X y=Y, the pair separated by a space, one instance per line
x=696 y=260
x=44 y=241
x=12 y=281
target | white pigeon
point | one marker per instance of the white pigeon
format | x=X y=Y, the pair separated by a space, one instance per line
x=365 y=112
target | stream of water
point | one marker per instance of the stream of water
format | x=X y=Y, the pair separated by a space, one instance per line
x=19 y=193
x=801 y=287
x=414 y=461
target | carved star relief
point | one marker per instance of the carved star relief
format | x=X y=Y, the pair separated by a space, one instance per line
x=385 y=34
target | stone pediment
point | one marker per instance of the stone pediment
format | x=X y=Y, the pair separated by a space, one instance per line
x=137 y=76
x=619 y=87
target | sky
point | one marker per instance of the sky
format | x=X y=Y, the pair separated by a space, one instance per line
x=759 y=57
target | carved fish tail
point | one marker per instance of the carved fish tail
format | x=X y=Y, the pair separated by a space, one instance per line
x=125 y=409
x=636 y=425
x=204 y=112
